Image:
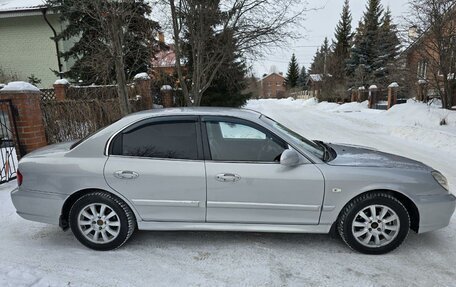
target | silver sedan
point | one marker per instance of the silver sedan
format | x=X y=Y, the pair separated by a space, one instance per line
x=227 y=169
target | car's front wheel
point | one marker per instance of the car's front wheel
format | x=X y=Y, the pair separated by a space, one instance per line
x=374 y=223
x=101 y=221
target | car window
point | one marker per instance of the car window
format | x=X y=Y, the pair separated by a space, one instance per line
x=176 y=140
x=230 y=141
x=236 y=131
x=299 y=140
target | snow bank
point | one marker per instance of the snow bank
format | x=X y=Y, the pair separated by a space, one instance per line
x=417 y=114
x=20 y=87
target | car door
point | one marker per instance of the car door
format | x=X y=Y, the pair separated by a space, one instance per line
x=157 y=164
x=247 y=184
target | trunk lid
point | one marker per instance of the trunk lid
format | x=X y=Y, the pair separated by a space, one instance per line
x=51 y=149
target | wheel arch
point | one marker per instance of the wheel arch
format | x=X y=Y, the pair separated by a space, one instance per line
x=411 y=207
x=70 y=200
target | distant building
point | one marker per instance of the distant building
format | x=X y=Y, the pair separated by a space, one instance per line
x=26 y=47
x=422 y=62
x=272 y=86
x=315 y=83
x=165 y=60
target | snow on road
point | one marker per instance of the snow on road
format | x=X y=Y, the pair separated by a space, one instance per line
x=33 y=254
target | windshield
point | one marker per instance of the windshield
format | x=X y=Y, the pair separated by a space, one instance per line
x=300 y=141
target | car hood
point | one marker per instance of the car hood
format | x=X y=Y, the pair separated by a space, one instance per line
x=350 y=155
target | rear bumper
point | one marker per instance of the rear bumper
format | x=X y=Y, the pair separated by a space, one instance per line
x=435 y=211
x=38 y=206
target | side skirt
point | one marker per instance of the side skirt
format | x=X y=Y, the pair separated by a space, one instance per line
x=207 y=226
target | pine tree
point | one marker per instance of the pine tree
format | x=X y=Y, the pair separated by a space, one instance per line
x=293 y=73
x=342 y=43
x=389 y=48
x=302 y=80
x=93 y=58
x=320 y=61
x=365 y=51
x=228 y=87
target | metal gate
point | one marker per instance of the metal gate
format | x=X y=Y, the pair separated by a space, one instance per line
x=9 y=143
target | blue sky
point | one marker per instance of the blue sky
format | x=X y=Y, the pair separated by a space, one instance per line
x=318 y=25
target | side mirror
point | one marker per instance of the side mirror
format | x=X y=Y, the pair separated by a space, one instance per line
x=290 y=158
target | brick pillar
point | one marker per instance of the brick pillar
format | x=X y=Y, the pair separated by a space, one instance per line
x=422 y=90
x=354 y=96
x=167 y=96
x=60 y=89
x=373 y=96
x=392 y=94
x=26 y=99
x=143 y=84
x=361 y=94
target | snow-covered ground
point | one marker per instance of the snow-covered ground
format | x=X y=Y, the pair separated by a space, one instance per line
x=33 y=254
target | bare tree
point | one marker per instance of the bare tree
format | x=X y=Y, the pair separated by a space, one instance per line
x=214 y=29
x=437 y=43
x=113 y=39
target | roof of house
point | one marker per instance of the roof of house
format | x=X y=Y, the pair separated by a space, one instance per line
x=165 y=58
x=270 y=74
x=316 y=77
x=21 y=5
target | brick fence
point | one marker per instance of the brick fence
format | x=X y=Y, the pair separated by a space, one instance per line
x=29 y=119
x=27 y=105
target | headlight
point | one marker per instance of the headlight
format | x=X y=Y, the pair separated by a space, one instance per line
x=441 y=180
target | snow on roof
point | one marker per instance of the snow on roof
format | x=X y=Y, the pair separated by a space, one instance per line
x=166 y=58
x=17 y=5
x=316 y=77
x=372 y=87
x=20 y=87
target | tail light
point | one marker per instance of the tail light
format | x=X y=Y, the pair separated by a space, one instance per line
x=19 y=178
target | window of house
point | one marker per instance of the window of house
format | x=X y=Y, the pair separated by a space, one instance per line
x=240 y=142
x=174 y=140
x=422 y=69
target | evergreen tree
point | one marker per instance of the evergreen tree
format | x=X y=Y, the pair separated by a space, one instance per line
x=303 y=77
x=389 y=47
x=320 y=60
x=93 y=58
x=342 y=43
x=228 y=87
x=293 y=73
x=365 y=51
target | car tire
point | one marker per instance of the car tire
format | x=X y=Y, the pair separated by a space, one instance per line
x=374 y=223
x=101 y=221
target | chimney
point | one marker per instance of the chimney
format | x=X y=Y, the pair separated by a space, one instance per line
x=161 y=37
x=413 y=33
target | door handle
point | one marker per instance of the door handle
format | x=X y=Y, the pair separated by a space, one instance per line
x=126 y=174
x=227 y=177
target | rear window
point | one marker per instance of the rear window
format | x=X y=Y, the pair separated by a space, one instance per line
x=173 y=140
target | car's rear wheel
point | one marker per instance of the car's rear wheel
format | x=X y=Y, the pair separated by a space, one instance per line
x=101 y=221
x=374 y=223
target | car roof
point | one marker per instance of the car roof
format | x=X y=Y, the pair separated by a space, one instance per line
x=198 y=111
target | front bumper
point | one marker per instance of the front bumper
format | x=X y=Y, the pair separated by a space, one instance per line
x=435 y=211
x=38 y=206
